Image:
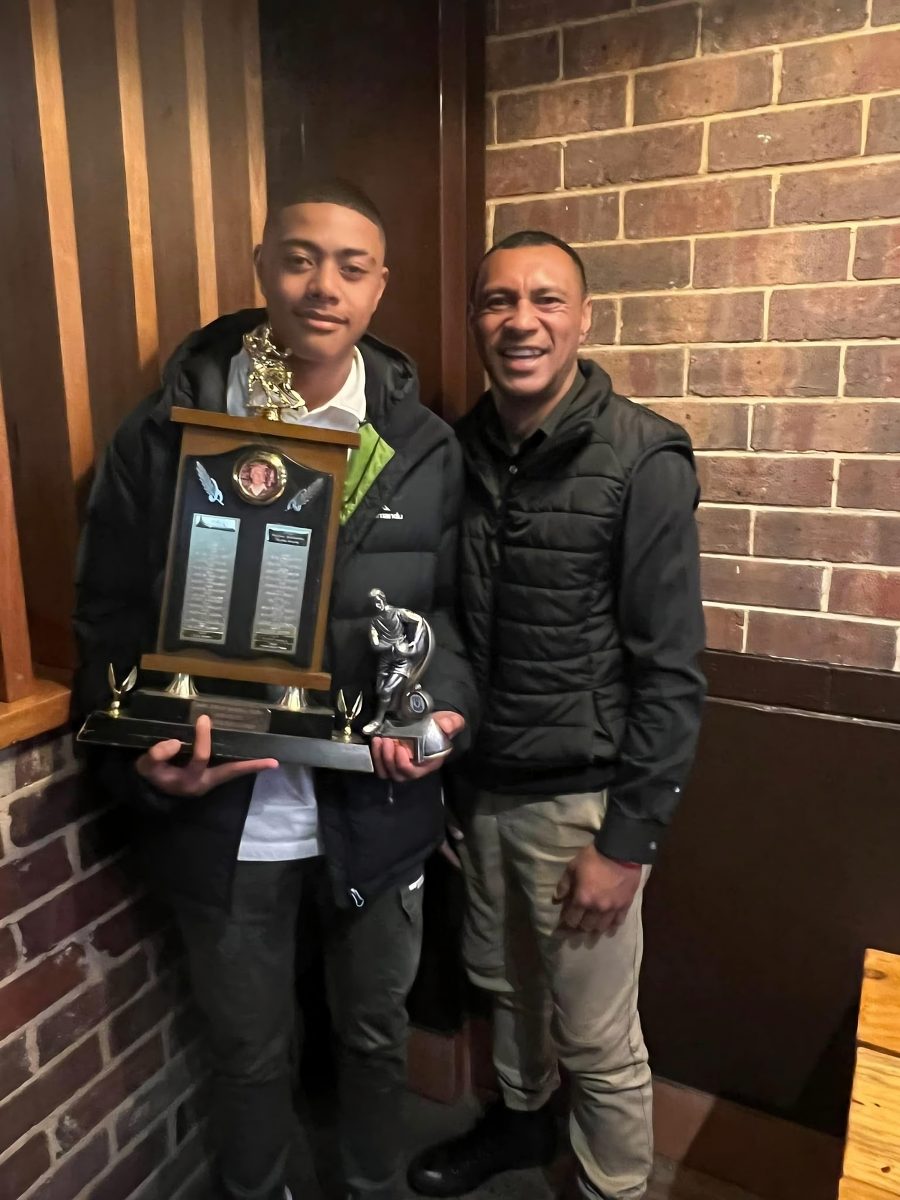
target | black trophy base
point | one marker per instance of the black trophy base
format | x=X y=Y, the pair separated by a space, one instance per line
x=225 y=712
x=228 y=745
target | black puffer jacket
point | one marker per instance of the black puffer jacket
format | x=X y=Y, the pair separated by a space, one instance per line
x=584 y=684
x=374 y=834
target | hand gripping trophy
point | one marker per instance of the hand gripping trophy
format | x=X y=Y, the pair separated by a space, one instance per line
x=404 y=642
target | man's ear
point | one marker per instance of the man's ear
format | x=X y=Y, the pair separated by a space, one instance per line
x=385 y=276
x=586 y=316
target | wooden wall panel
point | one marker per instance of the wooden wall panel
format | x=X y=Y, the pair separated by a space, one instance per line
x=131 y=169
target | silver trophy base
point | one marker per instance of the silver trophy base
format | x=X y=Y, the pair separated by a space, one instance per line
x=428 y=739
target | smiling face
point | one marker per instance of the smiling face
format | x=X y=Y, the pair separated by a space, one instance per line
x=529 y=315
x=321 y=269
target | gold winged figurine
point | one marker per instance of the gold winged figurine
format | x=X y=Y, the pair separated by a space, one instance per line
x=269 y=391
x=118 y=692
x=349 y=714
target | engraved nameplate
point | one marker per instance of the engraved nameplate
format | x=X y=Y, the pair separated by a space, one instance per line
x=210 y=575
x=279 y=598
x=232 y=714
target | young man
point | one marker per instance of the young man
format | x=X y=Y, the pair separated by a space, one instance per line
x=579 y=587
x=234 y=847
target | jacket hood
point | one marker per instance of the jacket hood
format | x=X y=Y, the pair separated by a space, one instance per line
x=196 y=373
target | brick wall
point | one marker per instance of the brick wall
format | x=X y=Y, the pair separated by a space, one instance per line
x=731 y=171
x=98 y=1070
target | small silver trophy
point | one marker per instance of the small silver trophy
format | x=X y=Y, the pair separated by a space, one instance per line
x=404 y=642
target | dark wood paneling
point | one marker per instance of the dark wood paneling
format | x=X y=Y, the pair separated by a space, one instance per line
x=356 y=91
x=166 y=120
x=815 y=687
x=780 y=869
x=96 y=154
x=30 y=359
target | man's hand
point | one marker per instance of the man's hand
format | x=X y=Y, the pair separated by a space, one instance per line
x=197 y=777
x=595 y=892
x=393 y=760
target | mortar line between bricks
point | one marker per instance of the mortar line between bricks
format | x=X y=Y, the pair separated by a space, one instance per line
x=15 y=851
x=763 y=172
x=703 y=169
x=864 y=131
x=885 y=342
x=860 y=33
x=842 y=371
x=751 y=417
x=834 y=483
x=854 y=243
x=897 y=657
x=706 y=235
x=777 y=74
x=745 y=629
x=806 y=509
x=45 y=781
x=825 y=594
x=869 y=5
x=799 y=562
x=811 y=613
x=629 y=99
x=72 y=881
x=751 y=540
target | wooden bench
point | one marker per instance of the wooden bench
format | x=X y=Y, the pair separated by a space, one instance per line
x=872 y=1153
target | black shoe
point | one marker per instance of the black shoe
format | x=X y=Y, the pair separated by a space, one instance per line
x=502 y=1140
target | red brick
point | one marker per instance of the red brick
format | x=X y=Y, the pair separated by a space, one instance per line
x=636 y=40
x=800 y=135
x=569 y=108
x=804 y=256
x=153 y=1101
x=129 y=1172
x=73 y=909
x=856 y=65
x=829 y=537
x=694 y=89
x=873 y=371
x=765 y=371
x=865 y=593
x=767 y=584
x=842 y=194
x=129 y=926
x=49 y=810
x=724 y=628
x=572 y=218
x=109 y=1092
x=633 y=157
x=754 y=479
x=822 y=639
x=103 y=837
x=846 y=312
x=711 y=426
x=604 y=322
x=39 y=757
x=518 y=15
x=32 y=876
x=724 y=530
x=884 y=126
x=886 y=12
x=22 y=1169
x=34 y=1102
x=9 y=955
x=88 y=1009
x=72 y=1174
x=715 y=207
x=637 y=266
x=521 y=61
x=34 y=991
x=143 y=1014
x=840 y=426
x=878 y=252
x=692 y=317
x=14 y=1067
x=511 y=172
x=643 y=372
x=737 y=25
x=869 y=483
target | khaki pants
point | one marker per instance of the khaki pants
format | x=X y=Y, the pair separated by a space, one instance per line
x=564 y=997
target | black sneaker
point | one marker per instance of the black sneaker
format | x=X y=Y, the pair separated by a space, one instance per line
x=502 y=1140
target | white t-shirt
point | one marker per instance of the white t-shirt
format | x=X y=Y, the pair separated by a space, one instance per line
x=283 y=821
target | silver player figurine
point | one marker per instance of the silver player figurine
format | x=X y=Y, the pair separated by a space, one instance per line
x=404 y=642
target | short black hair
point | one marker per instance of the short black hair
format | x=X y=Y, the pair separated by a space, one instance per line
x=534 y=237
x=325 y=191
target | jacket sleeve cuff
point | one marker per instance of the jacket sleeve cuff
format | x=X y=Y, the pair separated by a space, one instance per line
x=629 y=839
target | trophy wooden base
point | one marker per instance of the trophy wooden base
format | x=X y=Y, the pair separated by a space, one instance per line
x=131 y=733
